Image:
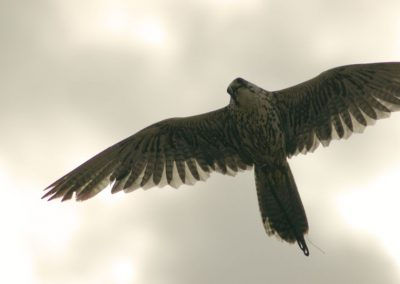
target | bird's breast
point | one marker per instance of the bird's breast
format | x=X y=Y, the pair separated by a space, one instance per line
x=260 y=135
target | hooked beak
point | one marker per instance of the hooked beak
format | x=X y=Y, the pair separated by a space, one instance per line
x=236 y=84
x=233 y=88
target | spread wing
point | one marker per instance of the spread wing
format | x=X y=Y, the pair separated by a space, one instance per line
x=174 y=151
x=337 y=103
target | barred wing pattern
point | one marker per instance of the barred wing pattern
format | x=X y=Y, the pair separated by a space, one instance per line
x=336 y=103
x=174 y=151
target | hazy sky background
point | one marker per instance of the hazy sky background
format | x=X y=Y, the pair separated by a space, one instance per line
x=78 y=76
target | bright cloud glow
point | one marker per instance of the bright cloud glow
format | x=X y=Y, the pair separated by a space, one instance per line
x=375 y=210
x=57 y=227
x=15 y=261
x=116 y=21
x=235 y=5
x=111 y=22
x=30 y=229
x=122 y=271
x=149 y=31
x=121 y=25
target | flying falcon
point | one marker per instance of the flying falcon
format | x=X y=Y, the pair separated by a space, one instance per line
x=259 y=129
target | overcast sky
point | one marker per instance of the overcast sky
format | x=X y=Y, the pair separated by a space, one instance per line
x=78 y=76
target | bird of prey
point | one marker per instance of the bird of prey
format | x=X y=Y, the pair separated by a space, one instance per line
x=259 y=129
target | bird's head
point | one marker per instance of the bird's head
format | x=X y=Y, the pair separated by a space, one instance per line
x=244 y=95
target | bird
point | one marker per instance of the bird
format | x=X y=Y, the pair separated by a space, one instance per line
x=258 y=129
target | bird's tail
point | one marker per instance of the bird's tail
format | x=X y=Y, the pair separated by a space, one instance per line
x=281 y=208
